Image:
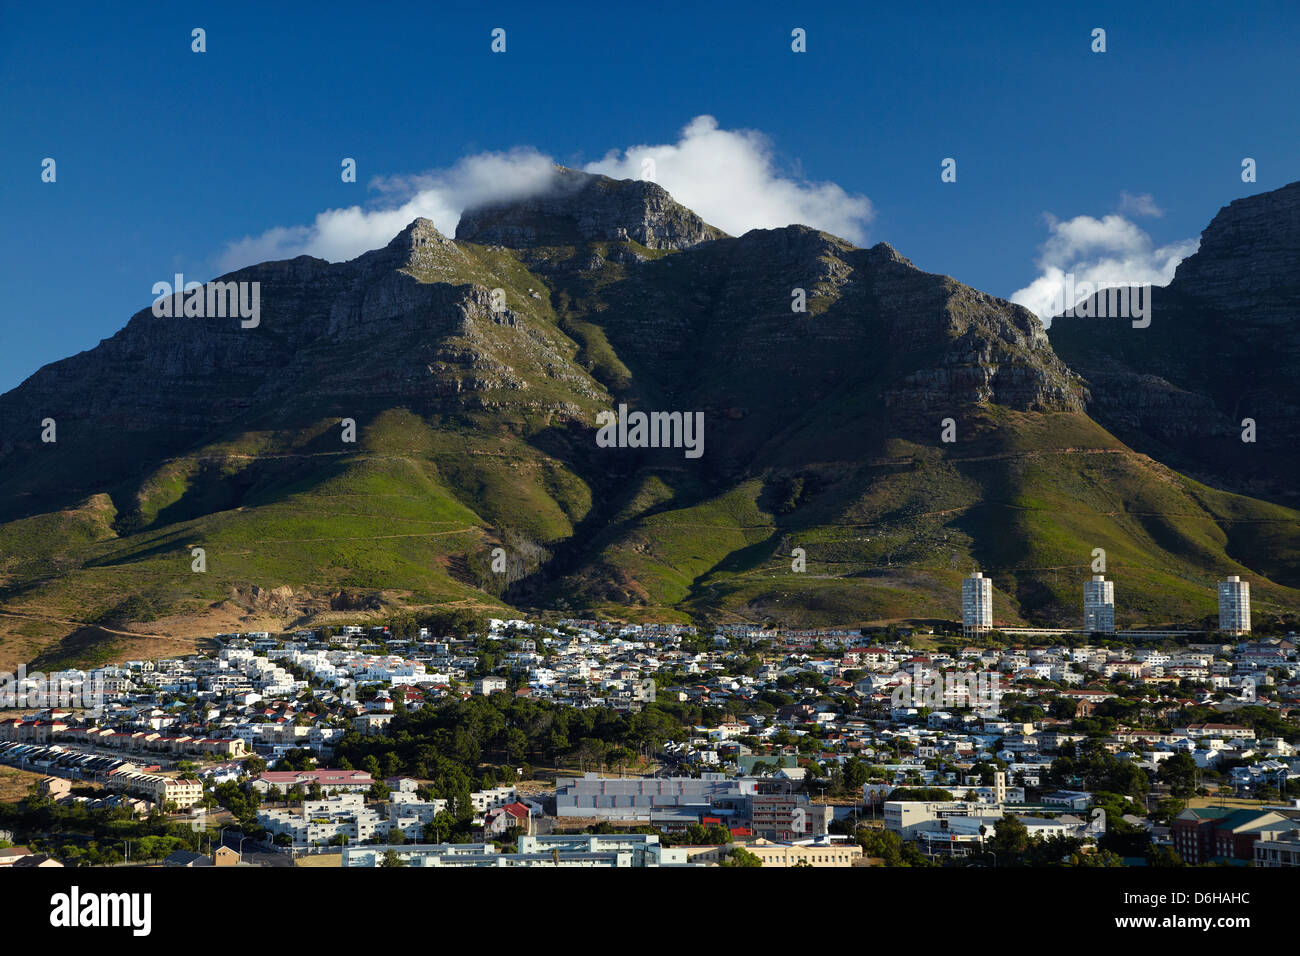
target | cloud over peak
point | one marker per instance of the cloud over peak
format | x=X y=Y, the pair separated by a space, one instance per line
x=439 y=195
x=1112 y=251
x=729 y=177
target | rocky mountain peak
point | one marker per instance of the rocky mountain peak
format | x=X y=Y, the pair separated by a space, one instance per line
x=419 y=247
x=419 y=232
x=1220 y=353
x=582 y=207
x=884 y=252
x=1249 y=257
x=423 y=250
x=825 y=373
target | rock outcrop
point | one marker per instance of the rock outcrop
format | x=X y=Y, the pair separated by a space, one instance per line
x=391 y=420
x=1220 y=360
x=1248 y=263
x=582 y=207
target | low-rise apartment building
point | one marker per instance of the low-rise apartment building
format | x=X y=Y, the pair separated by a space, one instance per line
x=330 y=781
x=322 y=822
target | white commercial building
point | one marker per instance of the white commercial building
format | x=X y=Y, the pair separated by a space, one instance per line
x=581 y=850
x=639 y=798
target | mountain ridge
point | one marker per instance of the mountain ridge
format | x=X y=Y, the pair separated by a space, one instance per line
x=1223 y=346
x=473 y=373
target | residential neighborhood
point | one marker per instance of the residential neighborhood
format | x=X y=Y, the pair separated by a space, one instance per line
x=355 y=746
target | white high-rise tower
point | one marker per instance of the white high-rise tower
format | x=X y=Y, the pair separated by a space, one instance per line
x=1234 y=605
x=1099 y=604
x=976 y=603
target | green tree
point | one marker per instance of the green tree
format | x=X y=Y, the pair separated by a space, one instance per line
x=1010 y=840
x=254 y=766
x=881 y=844
x=1164 y=856
x=439 y=829
x=1179 y=772
x=739 y=856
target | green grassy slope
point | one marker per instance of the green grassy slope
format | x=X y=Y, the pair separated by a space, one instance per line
x=475 y=430
x=1028 y=500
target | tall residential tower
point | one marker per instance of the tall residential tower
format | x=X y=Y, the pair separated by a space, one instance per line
x=1099 y=605
x=976 y=603
x=1234 y=605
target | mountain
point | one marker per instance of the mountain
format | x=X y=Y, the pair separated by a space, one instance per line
x=475 y=369
x=1223 y=345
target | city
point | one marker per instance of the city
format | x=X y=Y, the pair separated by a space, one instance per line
x=357 y=513
x=780 y=747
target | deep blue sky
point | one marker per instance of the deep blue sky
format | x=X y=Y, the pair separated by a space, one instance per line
x=165 y=156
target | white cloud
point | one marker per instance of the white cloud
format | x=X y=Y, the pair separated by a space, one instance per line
x=729 y=177
x=1141 y=205
x=1111 y=251
x=339 y=234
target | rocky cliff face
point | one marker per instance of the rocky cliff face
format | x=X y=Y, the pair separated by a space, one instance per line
x=1249 y=260
x=474 y=369
x=1223 y=347
x=581 y=207
x=698 y=320
x=715 y=329
x=410 y=325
